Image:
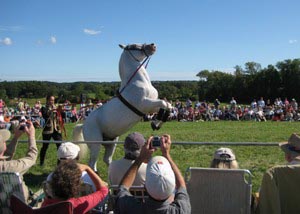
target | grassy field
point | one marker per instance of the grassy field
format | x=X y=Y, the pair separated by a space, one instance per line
x=255 y=158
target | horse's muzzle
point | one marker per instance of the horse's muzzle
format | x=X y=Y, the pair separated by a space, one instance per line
x=150 y=49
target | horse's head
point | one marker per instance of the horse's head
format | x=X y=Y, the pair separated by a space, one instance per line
x=139 y=51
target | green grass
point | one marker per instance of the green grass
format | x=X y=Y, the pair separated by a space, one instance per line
x=255 y=158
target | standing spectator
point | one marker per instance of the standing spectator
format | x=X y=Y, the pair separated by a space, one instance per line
x=294 y=104
x=253 y=104
x=224 y=158
x=286 y=102
x=216 y=104
x=74 y=116
x=188 y=103
x=261 y=103
x=161 y=178
x=132 y=148
x=232 y=103
x=52 y=127
x=21 y=165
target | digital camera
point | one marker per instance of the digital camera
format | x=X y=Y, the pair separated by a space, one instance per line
x=155 y=141
x=22 y=126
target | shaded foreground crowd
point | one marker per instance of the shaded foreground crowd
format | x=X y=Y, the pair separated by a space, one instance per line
x=159 y=175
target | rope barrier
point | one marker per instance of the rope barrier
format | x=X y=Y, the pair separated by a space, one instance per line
x=174 y=143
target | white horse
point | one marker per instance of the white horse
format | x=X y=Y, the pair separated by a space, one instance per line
x=135 y=98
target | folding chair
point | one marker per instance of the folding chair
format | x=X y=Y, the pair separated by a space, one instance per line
x=279 y=190
x=10 y=182
x=19 y=207
x=219 y=190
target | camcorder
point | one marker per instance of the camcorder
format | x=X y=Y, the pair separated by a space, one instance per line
x=156 y=141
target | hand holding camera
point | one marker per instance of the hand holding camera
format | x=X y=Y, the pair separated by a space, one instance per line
x=23 y=125
x=26 y=127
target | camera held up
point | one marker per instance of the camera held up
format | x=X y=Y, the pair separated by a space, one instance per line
x=156 y=141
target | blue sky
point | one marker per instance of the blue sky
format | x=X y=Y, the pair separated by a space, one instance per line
x=67 y=41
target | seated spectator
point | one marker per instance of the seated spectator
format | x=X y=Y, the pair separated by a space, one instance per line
x=65 y=183
x=161 y=178
x=277 y=193
x=69 y=151
x=224 y=158
x=292 y=149
x=132 y=148
x=21 y=165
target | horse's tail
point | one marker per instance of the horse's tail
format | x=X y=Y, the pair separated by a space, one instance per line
x=78 y=136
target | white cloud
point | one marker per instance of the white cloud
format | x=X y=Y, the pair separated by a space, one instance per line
x=10 y=28
x=39 y=42
x=293 y=41
x=91 y=31
x=6 y=41
x=53 y=39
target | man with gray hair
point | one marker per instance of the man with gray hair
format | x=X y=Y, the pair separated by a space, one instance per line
x=132 y=147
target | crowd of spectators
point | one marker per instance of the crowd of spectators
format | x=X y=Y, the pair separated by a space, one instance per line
x=11 y=116
x=257 y=110
x=162 y=179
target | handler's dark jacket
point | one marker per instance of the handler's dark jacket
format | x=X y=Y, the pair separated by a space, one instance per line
x=52 y=120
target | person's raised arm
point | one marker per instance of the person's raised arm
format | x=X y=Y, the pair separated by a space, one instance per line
x=165 y=149
x=145 y=155
x=98 y=182
x=11 y=147
x=30 y=131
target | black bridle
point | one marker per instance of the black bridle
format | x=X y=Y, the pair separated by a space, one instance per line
x=129 y=48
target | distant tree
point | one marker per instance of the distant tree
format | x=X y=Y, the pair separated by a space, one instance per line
x=238 y=70
x=290 y=75
x=252 y=67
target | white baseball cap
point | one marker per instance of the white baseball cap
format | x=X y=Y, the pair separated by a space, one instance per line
x=160 y=178
x=224 y=154
x=68 y=150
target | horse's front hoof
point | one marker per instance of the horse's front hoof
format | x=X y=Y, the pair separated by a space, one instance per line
x=155 y=125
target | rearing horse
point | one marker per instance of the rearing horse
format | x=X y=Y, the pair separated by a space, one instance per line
x=135 y=98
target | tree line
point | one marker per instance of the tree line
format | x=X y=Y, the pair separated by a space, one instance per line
x=252 y=81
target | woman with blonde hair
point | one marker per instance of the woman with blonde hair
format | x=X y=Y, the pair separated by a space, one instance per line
x=224 y=158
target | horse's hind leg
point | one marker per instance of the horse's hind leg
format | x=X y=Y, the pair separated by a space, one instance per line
x=92 y=133
x=95 y=149
x=109 y=151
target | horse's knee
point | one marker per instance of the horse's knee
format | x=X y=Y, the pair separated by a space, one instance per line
x=109 y=151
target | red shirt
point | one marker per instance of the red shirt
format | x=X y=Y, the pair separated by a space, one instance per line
x=83 y=204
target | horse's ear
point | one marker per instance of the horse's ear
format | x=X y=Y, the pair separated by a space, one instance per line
x=122 y=46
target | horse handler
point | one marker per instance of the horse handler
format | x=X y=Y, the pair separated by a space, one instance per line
x=53 y=126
